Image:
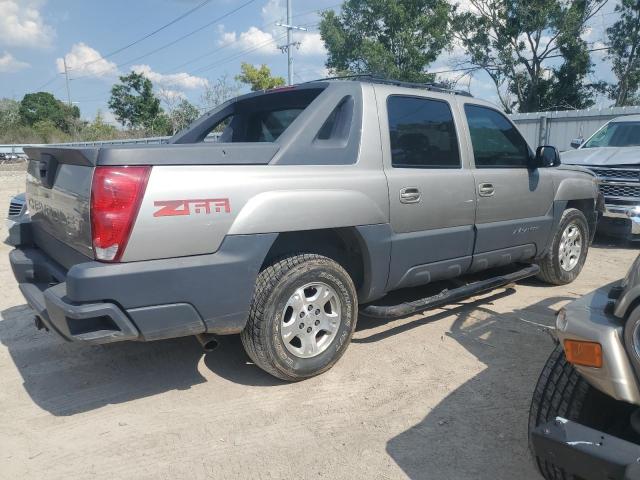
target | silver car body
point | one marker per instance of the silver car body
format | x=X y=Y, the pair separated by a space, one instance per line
x=409 y=226
x=609 y=316
x=618 y=169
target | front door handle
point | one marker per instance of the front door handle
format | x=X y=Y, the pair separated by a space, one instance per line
x=409 y=195
x=486 y=190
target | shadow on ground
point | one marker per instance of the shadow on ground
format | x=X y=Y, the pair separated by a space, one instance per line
x=474 y=425
x=68 y=378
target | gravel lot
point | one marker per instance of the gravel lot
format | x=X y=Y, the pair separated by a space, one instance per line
x=435 y=396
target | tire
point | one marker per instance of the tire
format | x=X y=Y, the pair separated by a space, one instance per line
x=554 y=267
x=283 y=301
x=562 y=392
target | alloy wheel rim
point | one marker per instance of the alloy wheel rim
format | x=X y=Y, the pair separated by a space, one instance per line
x=310 y=320
x=570 y=247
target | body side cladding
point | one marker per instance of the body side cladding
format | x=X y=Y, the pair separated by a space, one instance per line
x=223 y=305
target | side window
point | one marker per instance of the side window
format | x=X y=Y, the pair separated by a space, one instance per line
x=422 y=133
x=496 y=142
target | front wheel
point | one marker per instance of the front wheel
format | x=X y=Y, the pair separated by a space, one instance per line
x=303 y=315
x=568 y=252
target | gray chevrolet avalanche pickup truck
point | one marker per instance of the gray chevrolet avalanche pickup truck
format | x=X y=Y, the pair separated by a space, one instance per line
x=314 y=199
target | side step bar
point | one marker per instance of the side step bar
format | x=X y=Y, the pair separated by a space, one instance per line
x=449 y=296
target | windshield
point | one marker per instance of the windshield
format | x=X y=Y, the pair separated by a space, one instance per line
x=616 y=134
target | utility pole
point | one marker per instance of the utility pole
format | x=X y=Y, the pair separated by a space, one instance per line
x=66 y=75
x=290 y=43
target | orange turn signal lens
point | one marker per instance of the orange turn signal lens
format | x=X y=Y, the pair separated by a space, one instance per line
x=588 y=354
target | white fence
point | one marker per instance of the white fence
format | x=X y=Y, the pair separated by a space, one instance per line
x=559 y=128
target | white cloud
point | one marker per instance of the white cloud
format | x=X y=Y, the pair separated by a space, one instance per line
x=22 y=25
x=310 y=43
x=253 y=39
x=263 y=42
x=169 y=96
x=274 y=11
x=8 y=64
x=86 y=61
x=180 y=80
x=227 y=38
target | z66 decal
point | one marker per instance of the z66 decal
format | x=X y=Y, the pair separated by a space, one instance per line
x=172 y=208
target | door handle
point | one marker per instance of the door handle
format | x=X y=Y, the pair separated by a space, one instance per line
x=486 y=190
x=409 y=195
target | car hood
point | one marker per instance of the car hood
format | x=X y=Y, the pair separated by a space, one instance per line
x=602 y=156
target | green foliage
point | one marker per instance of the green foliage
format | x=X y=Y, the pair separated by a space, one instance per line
x=44 y=107
x=9 y=114
x=219 y=92
x=624 y=53
x=160 y=126
x=391 y=38
x=258 y=78
x=99 y=130
x=183 y=115
x=48 y=132
x=133 y=102
x=533 y=51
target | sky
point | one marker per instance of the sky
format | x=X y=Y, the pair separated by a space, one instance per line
x=206 y=40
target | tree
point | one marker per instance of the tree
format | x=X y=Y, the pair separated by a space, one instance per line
x=218 y=92
x=9 y=114
x=391 y=38
x=180 y=112
x=133 y=102
x=48 y=132
x=624 y=53
x=532 y=51
x=99 y=130
x=258 y=78
x=183 y=115
x=44 y=107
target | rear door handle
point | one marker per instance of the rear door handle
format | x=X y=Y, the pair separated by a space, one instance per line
x=486 y=190
x=409 y=195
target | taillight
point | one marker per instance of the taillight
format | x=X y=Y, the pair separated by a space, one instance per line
x=116 y=193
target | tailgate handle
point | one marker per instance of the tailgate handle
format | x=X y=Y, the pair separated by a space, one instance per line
x=47 y=167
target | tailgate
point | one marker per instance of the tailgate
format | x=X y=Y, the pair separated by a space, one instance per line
x=58 y=197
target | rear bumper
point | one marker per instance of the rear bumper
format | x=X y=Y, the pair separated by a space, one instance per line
x=585 y=452
x=99 y=303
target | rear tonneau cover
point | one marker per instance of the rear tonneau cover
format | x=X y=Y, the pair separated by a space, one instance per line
x=163 y=154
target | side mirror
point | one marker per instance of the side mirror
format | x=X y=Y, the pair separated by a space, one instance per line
x=547 y=156
x=576 y=142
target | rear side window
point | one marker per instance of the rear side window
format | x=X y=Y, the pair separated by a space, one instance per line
x=262 y=118
x=496 y=142
x=422 y=133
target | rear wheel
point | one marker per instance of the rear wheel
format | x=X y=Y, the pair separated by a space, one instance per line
x=568 y=252
x=303 y=315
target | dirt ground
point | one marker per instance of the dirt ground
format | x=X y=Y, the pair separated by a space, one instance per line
x=435 y=396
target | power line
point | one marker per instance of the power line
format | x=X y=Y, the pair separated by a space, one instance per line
x=173 y=42
x=135 y=42
x=238 y=55
x=150 y=34
x=479 y=67
x=264 y=26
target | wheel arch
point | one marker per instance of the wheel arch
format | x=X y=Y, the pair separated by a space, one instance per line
x=588 y=207
x=363 y=251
